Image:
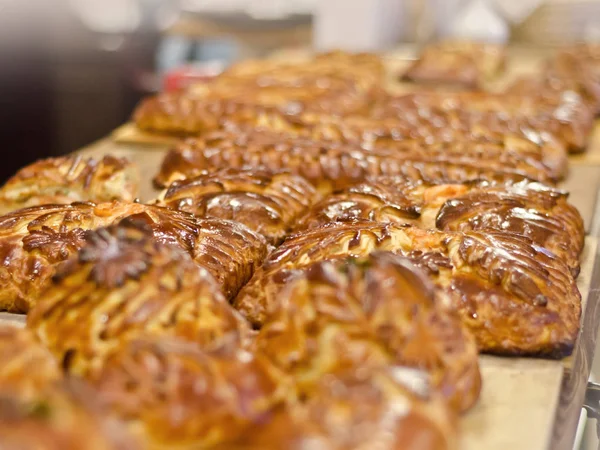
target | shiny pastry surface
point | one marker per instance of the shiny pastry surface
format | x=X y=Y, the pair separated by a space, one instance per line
x=122 y=284
x=366 y=313
x=516 y=298
x=35 y=241
x=40 y=409
x=328 y=164
x=178 y=395
x=266 y=202
x=539 y=212
x=70 y=179
x=389 y=409
x=562 y=118
x=458 y=63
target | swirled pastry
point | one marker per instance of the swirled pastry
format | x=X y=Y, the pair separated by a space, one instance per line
x=122 y=284
x=367 y=313
x=177 y=395
x=331 y=165
x=457 y=62
x=387 y=409
x=534 y=210
x=268 y=203
x=515 y=297
x=35 y=241
x=70 y=179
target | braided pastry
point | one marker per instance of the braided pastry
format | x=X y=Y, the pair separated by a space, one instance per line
x=122 y=284
x=267 y=203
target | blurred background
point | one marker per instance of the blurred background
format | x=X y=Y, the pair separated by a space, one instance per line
x=72 y=70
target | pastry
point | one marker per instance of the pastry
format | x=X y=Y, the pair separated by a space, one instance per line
x=268 y=203
x=366 y=313
x=387 y=409
x=178 y=395
x=35 y=241
x=515 y=297
x=462 y=63
x=566 y=119
x=70 y=179
x=27 y=367
x=330 y=165
x=39 y=409
x=123 y=284
x=534 y=210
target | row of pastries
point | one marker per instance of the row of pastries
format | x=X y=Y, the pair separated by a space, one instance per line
x=321 y=269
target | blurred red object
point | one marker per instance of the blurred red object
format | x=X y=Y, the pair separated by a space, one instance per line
x=182 y=77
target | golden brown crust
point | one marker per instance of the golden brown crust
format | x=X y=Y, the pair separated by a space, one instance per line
x=329 y=164
x=488 y=140
x=27 y=367
x=558 y=118
x=38 y=409
x=70 y=179
x=61 y=417
x=122 y=284
x=356 y=410
x=34 y=241
x=372 y=311
x=333 y=83
x=176 y=394
x=468 y=64
x=539 y=212
x=266 y=202
x=515 y=297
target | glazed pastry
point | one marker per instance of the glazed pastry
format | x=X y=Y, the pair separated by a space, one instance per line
x=35 y=241
x=467 y=64
x=268 y=203
x=516 y=298
x=331 y=83
x=38 y=409
x=330 y=165
x=567 y=119
x=59 y=418
x=447 y=137
x=539 y=212
x=370 y=312
x=388 y=409
x=27 y=367
x=70 y=179
x=177 y=395
x=122 y=284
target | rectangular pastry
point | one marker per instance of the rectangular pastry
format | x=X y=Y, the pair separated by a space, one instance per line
x=192 y=337
x=567 y=119
x=368 y=312
x=533 y=210
x=35 y=241
x=515 y=297
x=463 y=63
x=332 y=165
x=70 y=179
x=266 y=202
x=41 y=408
